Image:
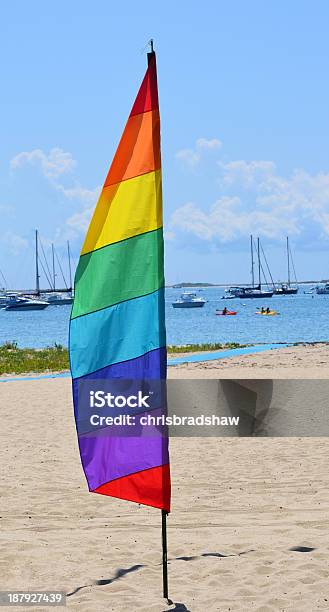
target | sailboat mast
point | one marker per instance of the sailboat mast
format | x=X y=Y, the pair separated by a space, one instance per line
x=37 y=275
x=288 y=261
x=54 y=272
x=252 y=261
x=258 y=253
x=69 y=258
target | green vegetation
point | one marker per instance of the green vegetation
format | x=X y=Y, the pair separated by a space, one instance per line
x=195 y=348
x=14 y=360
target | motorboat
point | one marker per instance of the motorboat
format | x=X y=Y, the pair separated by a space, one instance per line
x=3 y=299
x=5 y=296
x=189 y=300
x=23 y=303
x=322 y=289
x=229 y=297
x=58 y=299
x=231 y=293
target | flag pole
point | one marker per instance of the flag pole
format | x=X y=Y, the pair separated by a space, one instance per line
x=164 y=554
x=163 y=512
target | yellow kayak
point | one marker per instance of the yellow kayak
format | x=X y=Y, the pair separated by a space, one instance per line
x=268 y=314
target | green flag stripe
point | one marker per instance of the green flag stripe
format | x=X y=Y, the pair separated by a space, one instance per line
x=119 y=272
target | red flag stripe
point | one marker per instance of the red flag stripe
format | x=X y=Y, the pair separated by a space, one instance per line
x=147 y=97
x=150 y=487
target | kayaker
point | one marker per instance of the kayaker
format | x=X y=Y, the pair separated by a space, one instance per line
x=268 y=310
x=224 y=311
x=262 y=310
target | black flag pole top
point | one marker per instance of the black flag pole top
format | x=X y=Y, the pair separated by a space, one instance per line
x=151 y=53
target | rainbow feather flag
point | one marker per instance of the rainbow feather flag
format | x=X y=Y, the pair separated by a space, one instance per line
x=117 y=326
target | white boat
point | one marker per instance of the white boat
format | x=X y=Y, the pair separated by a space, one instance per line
x=21 y=303
x=3 y=300
x=189 y=300
x=310 y=292
x=39 y=300
x=58 y=299
x=231 y=293
x=322 y=289
x=5 y=297
x=229 y=297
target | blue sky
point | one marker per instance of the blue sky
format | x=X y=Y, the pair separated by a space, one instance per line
x=244 y=97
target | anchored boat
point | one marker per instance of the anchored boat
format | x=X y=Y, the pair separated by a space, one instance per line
x=287 y=288
x=255 y=291
x=189 y=300
x=17 y=302
x=58 y=299
x=322 y=289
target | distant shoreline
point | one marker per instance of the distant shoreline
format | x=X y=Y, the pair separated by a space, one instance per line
x=182 y=285
x=205 y=285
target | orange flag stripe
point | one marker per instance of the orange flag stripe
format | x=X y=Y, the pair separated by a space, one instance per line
x=139 y=149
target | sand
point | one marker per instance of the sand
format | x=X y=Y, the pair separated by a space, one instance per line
x=240 y=505
x=306 y=361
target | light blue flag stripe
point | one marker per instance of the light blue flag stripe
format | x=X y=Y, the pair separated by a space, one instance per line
x=118 y=333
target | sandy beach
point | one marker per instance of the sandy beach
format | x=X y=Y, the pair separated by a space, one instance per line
x=304 y=361
x=248 y=528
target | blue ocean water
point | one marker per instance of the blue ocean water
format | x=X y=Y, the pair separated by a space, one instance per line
x=302 y=318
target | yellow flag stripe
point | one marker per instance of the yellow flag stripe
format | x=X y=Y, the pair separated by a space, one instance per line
x=124 y=210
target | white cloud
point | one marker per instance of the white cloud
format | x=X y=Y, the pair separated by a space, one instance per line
x=246 y=174
x=192 y=156
x=213 y=143
x=14 y=243
x=87 y=197
x=256 y=199
x=80 y=220
x=54 y=164
x=227 y=221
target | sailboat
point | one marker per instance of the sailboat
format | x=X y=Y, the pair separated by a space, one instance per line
x=56 y=298
x=255 y=291
x=287 y=288
x=25 y=302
